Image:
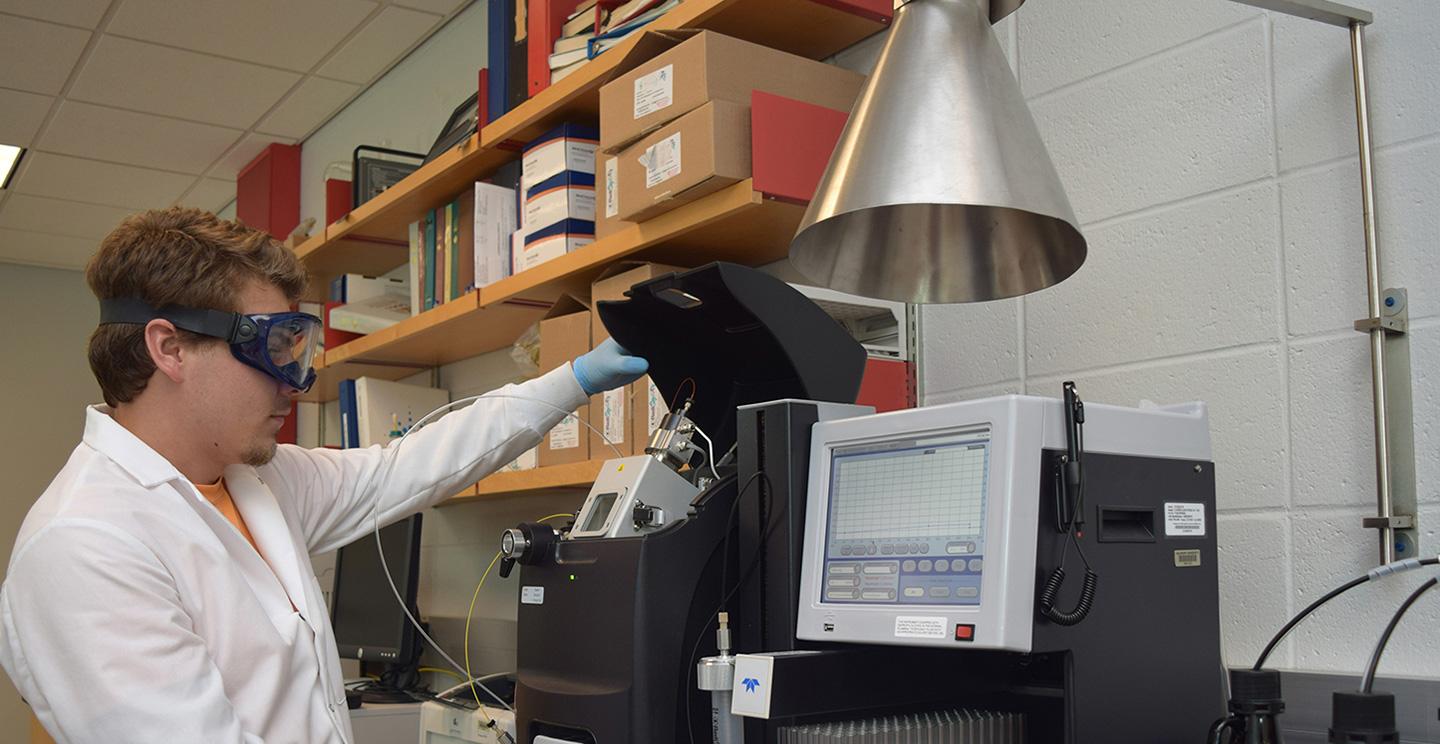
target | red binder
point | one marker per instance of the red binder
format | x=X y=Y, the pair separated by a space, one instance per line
x=542 y=29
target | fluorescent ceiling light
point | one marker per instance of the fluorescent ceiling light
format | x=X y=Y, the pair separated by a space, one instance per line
x=9 y=160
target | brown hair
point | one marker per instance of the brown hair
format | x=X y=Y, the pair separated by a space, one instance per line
x=176 y=256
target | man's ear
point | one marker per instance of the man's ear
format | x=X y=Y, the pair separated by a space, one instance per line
x=162 y=340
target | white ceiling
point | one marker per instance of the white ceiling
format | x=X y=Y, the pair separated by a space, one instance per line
x=134 y=104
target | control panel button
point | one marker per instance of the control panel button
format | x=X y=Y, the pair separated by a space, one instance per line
x=839 y=593
x=878 y=594
x=914 y=591
x=976 y=564
x=837 y=569
x=888 y=567
x=967 y=591
x=872 y=549
x=924 y=548
x=940 y=592
x=942 y=565
x=926 y=565
x=845 y=550
x=887 y=550
x=959 y=548
x=908 y=566
x=964 y=632
x=843 y=582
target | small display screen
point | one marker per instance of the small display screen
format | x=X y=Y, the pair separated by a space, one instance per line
x=907 y=521
x=599 y=512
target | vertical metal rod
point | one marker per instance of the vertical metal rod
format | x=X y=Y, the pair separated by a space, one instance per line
x=1372 y=270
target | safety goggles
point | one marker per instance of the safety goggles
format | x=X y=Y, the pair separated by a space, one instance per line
x=282 y=345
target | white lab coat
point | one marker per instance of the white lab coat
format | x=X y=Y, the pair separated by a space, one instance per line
x=134 y=612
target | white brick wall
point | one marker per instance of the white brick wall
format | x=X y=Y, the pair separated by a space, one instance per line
x=1208 y=149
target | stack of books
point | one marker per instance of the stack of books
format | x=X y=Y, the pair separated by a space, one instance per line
x=573 y=46
x=627 y=19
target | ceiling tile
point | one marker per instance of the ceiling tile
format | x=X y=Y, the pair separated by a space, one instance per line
x=41 y=249
x=105 y=133
x=64 y=177
x=172 y=82
x=24 y=112
x=439 y=7
x=306 y=107
x=40 y=214
x=85 y=13
x=294 y=34
x=37 y=56
x=241 y=155
x=210 y=194
x=378 y=45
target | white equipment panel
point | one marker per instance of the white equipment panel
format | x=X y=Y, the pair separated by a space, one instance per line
x=921 y=524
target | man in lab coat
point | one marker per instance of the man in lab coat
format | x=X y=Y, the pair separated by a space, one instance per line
x=161 y=588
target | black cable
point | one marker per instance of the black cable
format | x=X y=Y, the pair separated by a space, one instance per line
x=725 y=599
x=1050 y=590
x=1369 y=680
x=1269 y=647
x=1385 y=570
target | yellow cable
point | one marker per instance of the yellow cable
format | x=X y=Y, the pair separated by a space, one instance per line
x=438 y=670
x=469 y=614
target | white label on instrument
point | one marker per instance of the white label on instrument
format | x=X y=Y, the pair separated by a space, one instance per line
x=920 y=627
x=566 y=434
x=1184 y=520
x=612 y=192
x=614 y=406
x=661 y=161
x=532 y=595
x=656 y=403
x=655 y=91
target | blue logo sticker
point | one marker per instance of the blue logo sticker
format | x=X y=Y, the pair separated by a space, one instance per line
x=750 y=683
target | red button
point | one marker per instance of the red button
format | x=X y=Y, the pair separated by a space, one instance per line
x=964 y=632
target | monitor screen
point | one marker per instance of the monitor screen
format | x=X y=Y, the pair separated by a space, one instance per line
x=907 y=520
x=369 y=623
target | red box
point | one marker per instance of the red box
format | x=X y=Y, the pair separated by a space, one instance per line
x=791 y=144
x=338 y=196
x=888 y=385
x=267 y=191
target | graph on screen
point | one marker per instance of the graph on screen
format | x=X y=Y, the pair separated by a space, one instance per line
x=919 y=491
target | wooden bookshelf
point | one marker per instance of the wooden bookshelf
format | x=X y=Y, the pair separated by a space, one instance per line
x=573 y=477
x=734 y=224
x=372 y=239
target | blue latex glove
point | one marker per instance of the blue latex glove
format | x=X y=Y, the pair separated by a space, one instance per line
x=607 y=367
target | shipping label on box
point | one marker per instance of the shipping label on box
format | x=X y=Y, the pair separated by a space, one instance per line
x=655 y=91
x=566 y=196
x=613 y=415
x=661 y=161
x=566 y=434
x=569 y=147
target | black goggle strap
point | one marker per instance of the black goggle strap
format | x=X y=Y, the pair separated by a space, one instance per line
x=234 y=328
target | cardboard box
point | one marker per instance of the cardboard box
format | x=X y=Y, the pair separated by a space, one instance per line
x=564 y=196
x=613 y=412
x=708 y=67
x=698 y=154
x=551 y=243
x=607 y=198
x=568 y=147
x=564 y=335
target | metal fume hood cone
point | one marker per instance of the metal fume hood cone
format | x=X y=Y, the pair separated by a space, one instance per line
x=940 y=189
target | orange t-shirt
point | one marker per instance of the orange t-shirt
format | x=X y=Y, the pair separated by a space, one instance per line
x=219 y=496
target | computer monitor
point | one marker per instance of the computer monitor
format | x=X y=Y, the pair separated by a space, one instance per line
x=369 y=624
